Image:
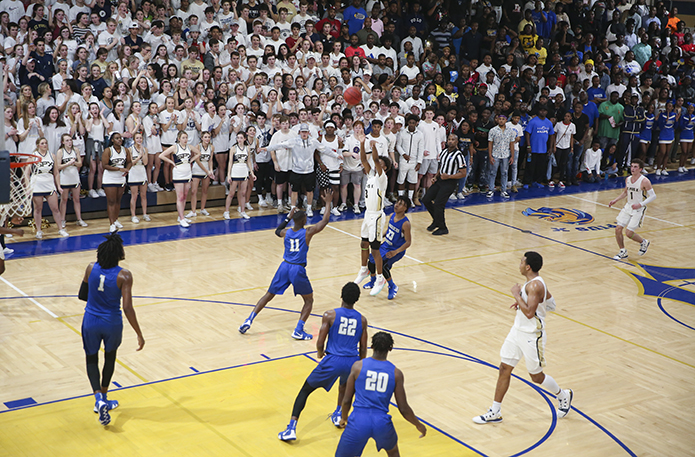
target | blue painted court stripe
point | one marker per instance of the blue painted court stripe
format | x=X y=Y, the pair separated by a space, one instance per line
x=194 y=370
x=265 y=356
x=604 y=430
x=141 y=235
x=20 y=403
x=116 y=384
x=661 y=307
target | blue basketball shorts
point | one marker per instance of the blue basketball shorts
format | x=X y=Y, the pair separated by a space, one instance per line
x=290 y=274
x=330 y=368
x=388 y=262
x=96 y=329
x=362 y=425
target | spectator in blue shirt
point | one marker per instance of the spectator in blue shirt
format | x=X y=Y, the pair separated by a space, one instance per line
x=538 y=132
x=354 y=15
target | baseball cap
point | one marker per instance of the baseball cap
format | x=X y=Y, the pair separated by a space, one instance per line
x=194 y=28
x=304 y=128
x=133 y=25
x=589 y=61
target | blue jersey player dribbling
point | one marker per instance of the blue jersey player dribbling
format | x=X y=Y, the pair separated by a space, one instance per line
x=104 y=285
x=346 y=330
x=396 y=241
x=293 y=268
x=373 y=381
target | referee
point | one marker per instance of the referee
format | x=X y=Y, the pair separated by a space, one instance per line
x=452 y=167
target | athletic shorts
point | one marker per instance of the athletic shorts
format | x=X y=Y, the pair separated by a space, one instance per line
x=351 y=177
x=287 y=274
x=406 y=172
x=373 y=226
x=429 y=166
x=97 y=329
x=281 y=177
x=302 y=180
x=330 y=368
x=529 y=345
x=362 y=425
x=387 y=263
x=630 y=218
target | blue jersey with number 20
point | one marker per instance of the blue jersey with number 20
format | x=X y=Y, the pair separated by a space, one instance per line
x=375 y=385
x=296 y=247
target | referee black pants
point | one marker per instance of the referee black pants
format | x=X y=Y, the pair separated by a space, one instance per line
x=436 y=197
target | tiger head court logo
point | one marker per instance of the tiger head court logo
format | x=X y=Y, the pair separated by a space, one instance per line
x=562 y=215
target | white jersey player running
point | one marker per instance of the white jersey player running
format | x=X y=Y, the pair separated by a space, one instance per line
x=527 y=339
x=639 y=193
x=376 y=169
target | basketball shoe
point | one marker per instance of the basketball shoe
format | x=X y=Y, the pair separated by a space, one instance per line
x=243 y=328
x=290 y=433
x=301 y=335
x=393 y=291
x=103 y=410
x=622 y=254
x=564 y=403
x=335 y=417
x=378 y=285
x=110 y=404
x=369 y=284
x=489 y=418
x=362 y=275
x=643 y=247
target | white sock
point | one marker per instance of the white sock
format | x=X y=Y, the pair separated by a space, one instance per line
x=410 y=194
x=268 y=197
x=496 y=407
x=550 y=384
x=401 y=192
x=379 y=278
x=363 y=269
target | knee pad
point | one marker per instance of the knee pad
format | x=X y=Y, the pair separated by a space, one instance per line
x=371 y=267
x=375 y=245
x=110 y=356
x=93 y=359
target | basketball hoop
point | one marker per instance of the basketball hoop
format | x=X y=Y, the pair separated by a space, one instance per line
x=21 y=186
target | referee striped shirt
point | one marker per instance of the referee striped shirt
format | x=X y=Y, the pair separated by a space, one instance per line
x=450 y=162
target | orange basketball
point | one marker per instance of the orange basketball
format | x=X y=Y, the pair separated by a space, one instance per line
x=352 y=95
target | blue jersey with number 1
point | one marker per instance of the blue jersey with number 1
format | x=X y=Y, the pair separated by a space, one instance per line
x=345 y=333
x=104 y=297
x=296 y=247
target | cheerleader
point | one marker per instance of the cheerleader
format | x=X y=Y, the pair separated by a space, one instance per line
x=169 y=119
x=182 y=156
x=133 y=124
x=191 y=120
x=687 y=123
x=667 y=122
x=77 y=131
x=116 y=161
x=253 y=145
x=69 y=163
x=238 y=171
x=153 y=144
x=45 y=187
x=137 y=177
x=202 y=170
x=645 y=136
x=217 y=123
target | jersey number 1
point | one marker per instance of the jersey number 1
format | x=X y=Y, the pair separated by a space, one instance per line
x=294 y=245
x=347 y=326
x=376 y=381
x=102 y=278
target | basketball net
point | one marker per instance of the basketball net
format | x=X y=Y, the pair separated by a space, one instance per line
x=21 y=176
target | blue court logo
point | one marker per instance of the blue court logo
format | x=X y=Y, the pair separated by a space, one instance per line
x=664 y=282
x=562 y=215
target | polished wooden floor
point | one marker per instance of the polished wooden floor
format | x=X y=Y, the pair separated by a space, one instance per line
x=630 y=365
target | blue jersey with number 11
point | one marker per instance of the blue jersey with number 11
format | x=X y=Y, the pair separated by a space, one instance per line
x=296 y=247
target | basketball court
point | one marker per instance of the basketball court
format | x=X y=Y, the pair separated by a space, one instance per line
x=621 y=338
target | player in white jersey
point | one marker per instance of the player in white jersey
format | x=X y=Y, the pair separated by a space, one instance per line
x=376 y=168
x=527 y=339
x=639 y=193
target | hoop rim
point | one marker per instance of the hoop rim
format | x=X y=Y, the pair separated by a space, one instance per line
x=20 y=155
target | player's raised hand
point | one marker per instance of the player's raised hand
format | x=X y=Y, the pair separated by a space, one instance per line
x=327 y=195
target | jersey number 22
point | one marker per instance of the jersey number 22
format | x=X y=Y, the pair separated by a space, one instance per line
x=347 y=326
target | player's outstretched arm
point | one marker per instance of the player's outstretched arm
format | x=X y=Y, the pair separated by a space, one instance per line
x=84 y=286
x=403 y=406
x=327 y=195
x=375 y=155
x=326 y=322
x=125 y=283
x=280 y=230
x=364 y=338
x=622 y=195
x=349 y=392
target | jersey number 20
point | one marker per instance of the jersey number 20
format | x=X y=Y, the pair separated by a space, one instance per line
x=347 y=326
x=376 y=381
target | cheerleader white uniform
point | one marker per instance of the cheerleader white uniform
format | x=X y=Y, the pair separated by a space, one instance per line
x=69 y=176
x=45 y=181
x=687 y=124
x=137 y=176
x=182 y=158
x=205 y=154
x=191 y=129
x=240 y=170
x=645 y=135
x=152 y=142
x=115 y=178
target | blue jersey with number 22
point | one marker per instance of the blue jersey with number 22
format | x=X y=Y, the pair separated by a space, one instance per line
x=296 y=247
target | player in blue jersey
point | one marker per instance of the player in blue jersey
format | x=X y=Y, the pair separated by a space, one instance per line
x=396 y=241
x=104 y=285
x=293 y=268
x=346 y=330
x=373 y=381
